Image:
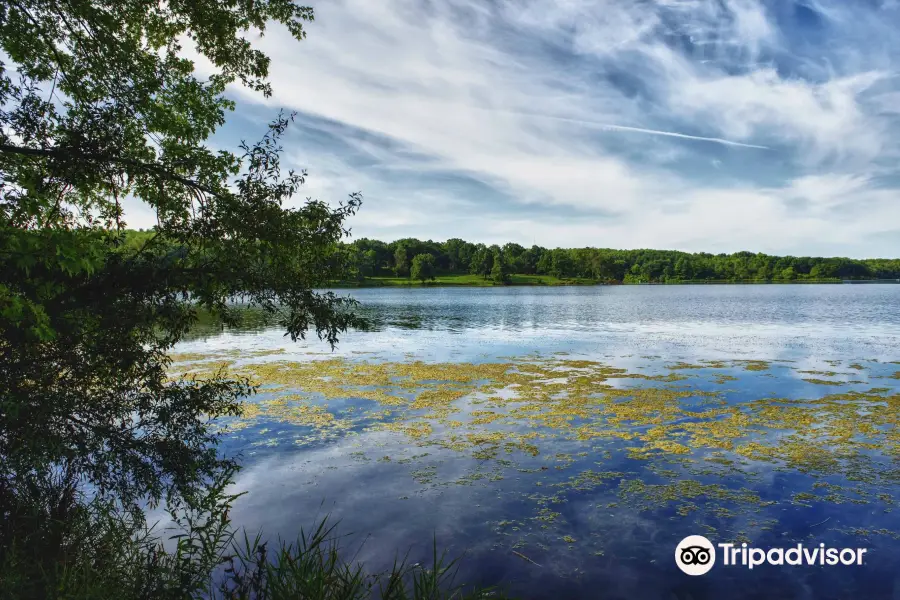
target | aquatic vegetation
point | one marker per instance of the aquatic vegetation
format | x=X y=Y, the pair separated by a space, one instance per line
x=824 y=381
x=754 y=365
x=706 y=364
x=514 y=416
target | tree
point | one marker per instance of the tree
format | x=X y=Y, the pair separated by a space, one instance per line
x=528 y=260
x=683 y=269
x=511 y=252
x=373 y=255
x=482 y=262
x=422 y=267
x=631 y=266
x=545 y=263
x=561 y=264
x=98 y=106
x=365 y=262
x=401 y=262
x=459 y=254
x=499 y=271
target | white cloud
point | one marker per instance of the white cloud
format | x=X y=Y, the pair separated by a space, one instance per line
x=823 y=121
x=573 y=104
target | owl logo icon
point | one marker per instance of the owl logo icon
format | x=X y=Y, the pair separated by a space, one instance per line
x=695 y=555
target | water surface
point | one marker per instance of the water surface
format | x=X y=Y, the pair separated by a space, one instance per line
x=567 y=438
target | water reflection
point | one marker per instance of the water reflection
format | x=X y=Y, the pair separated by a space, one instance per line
x=665 y=435
x=685 y=322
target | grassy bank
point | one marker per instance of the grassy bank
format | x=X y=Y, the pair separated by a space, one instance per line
x=466 y=280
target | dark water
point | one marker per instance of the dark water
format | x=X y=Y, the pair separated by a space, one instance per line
x=758 y=414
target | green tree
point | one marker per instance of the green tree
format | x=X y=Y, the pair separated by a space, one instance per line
x=511 y=252
x=97 y=106
x=373 y=255
x=365 y=262
x=401 y=261
x=824 y=270
x=422 y=267
x=561 y=263
x=683 y=269
x=544 y=263
x=459 y=255
x=632 y=266
x=635 y=274
x=482 y=261
x=788 y=274
x=527 y=262
x=499 y=270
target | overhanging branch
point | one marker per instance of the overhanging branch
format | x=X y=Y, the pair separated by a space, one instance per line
x=156 y=170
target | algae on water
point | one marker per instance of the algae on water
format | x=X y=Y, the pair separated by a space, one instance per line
x=507 y=415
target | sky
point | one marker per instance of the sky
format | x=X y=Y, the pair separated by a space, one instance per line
x=697 y=125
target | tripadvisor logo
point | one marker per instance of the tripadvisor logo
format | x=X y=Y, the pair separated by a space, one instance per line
x=696 y=555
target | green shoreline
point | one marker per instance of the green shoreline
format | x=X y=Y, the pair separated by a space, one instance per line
x=548 y=280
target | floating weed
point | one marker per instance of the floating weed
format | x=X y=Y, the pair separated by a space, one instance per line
x=754 y=365
x=803 y=498
x=656 y=496
x=590 y=480
x=684 y=365
x=874 y=532
x=360 y=456
x=823 y=381
x=190 y=357
x=425 y=475
x=716 y=364
x=509 y=414
x=703 y=364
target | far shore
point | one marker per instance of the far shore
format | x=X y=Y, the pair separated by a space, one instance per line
x=549 y=280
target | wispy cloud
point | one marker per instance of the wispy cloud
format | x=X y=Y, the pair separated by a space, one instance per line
x=613 y=127
x=695 y=124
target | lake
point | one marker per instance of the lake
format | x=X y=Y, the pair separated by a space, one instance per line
x=566 y=439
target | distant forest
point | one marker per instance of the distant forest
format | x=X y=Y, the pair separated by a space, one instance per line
x=413 y=258
x=373 y=258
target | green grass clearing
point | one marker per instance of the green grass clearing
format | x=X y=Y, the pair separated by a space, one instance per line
x=468 y=280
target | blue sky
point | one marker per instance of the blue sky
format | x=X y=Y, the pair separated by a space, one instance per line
x=700 y=125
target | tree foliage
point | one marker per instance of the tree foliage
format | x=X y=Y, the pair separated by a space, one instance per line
x=482 y=261
x=499 y=270
x=401 y=261
x=456 y=256
x=422 y=267
x=98 y=108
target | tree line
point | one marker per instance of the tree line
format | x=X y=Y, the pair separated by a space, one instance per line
x=417 y=259
x=424 y=260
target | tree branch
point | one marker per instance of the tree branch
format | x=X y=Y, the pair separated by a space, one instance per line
x=151 y=168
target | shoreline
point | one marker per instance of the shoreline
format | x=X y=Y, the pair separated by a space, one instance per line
x=448 y=282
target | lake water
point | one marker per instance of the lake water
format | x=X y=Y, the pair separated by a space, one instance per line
x=566 y=439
